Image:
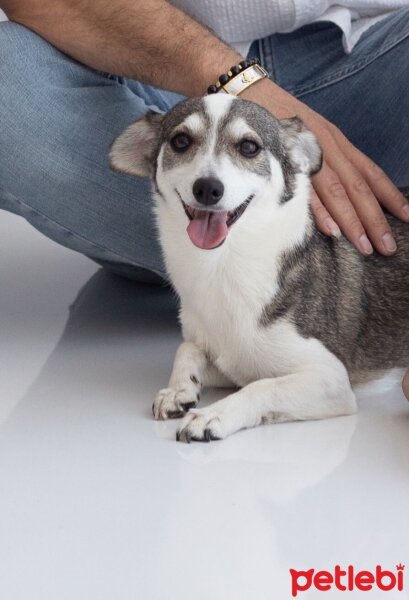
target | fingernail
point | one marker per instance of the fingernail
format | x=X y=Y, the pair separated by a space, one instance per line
x=406 y=211
x=332 y=227
x=389 y=243
x=365 y=245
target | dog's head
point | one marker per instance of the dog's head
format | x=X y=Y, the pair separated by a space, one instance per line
x=216 y=159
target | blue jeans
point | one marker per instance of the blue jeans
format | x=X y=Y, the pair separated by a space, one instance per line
x=58 y=119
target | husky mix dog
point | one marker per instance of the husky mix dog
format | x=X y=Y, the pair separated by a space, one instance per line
x=290 y=318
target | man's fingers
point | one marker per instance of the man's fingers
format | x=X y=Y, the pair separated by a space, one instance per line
x=323 y=219
x=383 y=188
x=335 y=199
x=364 y=202
x=386 y=192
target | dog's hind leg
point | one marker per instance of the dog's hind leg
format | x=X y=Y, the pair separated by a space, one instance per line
x=191 y=371
x=405 y=384
x=316 y=392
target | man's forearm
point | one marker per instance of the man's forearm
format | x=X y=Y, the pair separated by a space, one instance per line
x=148 y=40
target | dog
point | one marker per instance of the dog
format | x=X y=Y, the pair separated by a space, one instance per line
x=270 y=306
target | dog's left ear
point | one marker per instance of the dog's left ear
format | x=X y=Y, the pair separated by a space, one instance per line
x=302 y=145
x=133 y=151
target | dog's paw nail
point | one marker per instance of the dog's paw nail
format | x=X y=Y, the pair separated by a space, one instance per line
x=207 y=435
x=188 y=405
x=172 y=404
x=183 y=435
x=174 y=414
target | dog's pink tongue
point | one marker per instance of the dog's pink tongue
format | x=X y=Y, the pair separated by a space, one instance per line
x=208 y=229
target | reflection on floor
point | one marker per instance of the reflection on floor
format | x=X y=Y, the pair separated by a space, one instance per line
x=97 y=501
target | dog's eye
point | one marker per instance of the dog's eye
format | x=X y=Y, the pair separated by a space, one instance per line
x=180 y=142
x=249 y=148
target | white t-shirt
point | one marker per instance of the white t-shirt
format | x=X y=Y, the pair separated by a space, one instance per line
x=239 y=22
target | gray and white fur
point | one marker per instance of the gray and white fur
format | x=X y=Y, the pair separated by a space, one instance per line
x=269 y=305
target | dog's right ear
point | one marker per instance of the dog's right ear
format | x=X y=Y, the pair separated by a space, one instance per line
x=133 y=151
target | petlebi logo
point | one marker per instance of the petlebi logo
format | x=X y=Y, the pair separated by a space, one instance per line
x=348 y=579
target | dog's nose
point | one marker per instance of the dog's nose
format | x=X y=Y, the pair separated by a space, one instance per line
x=208 y=190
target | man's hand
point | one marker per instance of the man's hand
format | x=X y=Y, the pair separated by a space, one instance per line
x=350 y=190
x=353 y=189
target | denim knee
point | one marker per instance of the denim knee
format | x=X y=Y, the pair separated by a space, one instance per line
x=57 y=121
x=10 y=35
x=18 y=45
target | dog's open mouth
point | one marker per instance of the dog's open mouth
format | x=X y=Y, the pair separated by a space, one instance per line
x=208 y=229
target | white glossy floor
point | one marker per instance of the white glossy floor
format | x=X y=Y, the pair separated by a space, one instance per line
x=98 y=502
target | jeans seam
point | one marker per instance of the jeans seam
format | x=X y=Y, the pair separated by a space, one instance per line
x=345 y=72
x=267 y=58
x=261 y=52
x=122 y=259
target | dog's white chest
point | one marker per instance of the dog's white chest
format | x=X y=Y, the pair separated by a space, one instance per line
x=229 y=331
x=246 y=350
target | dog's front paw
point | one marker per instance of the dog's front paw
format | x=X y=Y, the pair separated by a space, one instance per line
x=172 y=404
x=203 y=425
